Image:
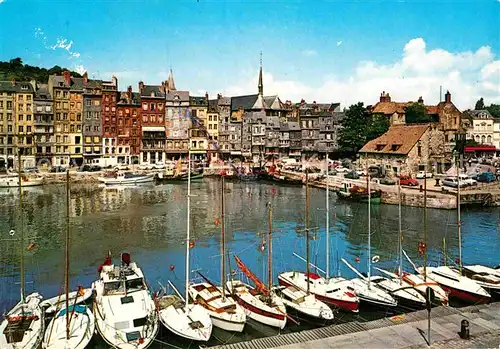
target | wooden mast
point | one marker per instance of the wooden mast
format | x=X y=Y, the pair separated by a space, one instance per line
x=400 y=233
x=20 y=179
x=425 y=221
x=66 y=270
x=270 y=248
x=223 y=242
x=307 y=229
x=188 y=227
x=327 y=221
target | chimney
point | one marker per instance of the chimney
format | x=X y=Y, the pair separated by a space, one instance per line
x=163 y=89
x=206 y=97
x=115 y=81
x=85 y=78
x=219 y=96
x=67 y=77
x=384 y=97
x=141 y=86
x=129 y=93
x=420 y=100
x=447 y=97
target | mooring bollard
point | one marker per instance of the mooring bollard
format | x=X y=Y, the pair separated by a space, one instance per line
x=464 y=329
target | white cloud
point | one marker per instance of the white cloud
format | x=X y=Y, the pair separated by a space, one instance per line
x=340 y=42
x=65 y=44
x=309 y=53
x=80 y=69
x=419 y=72
x=1 y=1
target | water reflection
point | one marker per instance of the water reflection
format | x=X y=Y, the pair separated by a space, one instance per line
x=150 y=222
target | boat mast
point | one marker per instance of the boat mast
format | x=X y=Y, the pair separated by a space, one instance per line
x=223 y=243
x=400 y=269
x=327 y=222
x=66 y=270
x=425 y=221
x=187 y=230
x=307 y=229
x=459 y=223
x=21 y=223
x=270 y=249
x=369 y=231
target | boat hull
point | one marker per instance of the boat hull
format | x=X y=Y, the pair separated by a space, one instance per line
x=342 y=304
x=33 y=335
x=56 y=303
x=127 y=181
x=82 y=328
x=14 y=182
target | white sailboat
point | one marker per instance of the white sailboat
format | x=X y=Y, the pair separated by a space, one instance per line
x=125 y=313
x=303 y=303
x=260 y=302
x=23 y=325
x=224 y=311
x=404 y=292
x=334 y=291
x=74 y=325
x=13 y=180
x=450 y=279
x=177 y=314
x=488 y=278
x=54 y=304
x=365 y=288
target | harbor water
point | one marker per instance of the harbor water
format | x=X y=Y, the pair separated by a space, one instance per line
x=149 y=222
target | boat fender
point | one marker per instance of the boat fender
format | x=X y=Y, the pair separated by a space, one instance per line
x=375 y=259
x=12 y=232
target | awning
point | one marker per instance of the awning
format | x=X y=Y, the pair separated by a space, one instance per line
x=471 y=149
x=153 y=129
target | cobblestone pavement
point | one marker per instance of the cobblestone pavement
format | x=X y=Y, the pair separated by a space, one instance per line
x=489 y=340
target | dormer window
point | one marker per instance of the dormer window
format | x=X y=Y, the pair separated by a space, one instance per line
x=24 y=87
x=395 y=147
x=152 y=94
x=379 y=147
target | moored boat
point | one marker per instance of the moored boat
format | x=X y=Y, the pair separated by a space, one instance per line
x=125 y=313
x=457 y=286
x=81 y=329
x=12 y=180
x=24 y=325
x=486 y=277
x=76 y=297
x=303 y=303
x=127 y=178
x=359 y=194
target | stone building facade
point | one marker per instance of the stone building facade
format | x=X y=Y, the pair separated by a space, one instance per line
x=44 y=125
x=129 y=127
x=154 y=134
x=108 y=116
x=92 y=120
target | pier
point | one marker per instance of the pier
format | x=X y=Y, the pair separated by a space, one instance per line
x=401 y=331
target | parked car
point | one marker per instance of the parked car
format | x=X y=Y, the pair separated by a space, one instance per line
x=31 y=170
x=362 y=173
x=85 y=168
x=423 y=174
x=146 y=166
x=351 y=175
x=485 y=177
x=58 y=169
x=387 y=181
x=466 y=180
x=412 y=182
x=450 y=182
x=95 y=168
x=341 y=169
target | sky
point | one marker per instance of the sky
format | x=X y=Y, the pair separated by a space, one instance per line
x=324 y=51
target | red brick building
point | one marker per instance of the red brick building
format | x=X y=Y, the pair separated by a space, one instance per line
x=128 y=123
x=152 y=99
x=109 y=130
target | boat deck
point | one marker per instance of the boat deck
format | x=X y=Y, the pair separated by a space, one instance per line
x=403 y=331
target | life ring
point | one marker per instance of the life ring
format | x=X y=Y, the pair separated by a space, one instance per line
x=12 y=232
x=375 y=259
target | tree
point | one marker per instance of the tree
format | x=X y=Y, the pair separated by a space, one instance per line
x=494 y=110
x=359 y=127
x=416 y=113
x=480 y=104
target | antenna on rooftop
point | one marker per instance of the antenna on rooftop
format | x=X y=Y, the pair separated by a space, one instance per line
x=440 y=94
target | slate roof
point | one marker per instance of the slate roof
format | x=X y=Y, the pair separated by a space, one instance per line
x=42 y=93
x=154 y=91
x=197 y=101
x=404 y=137
x=91 y=83
x=224 y=101
x=183 y=95
x=8 y=86
x=475 y=114
x=124 y=100
x=246 y=102
x=212 y=105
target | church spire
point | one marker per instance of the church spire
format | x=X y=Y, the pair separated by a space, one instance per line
x=171 y=83
x=261 y=84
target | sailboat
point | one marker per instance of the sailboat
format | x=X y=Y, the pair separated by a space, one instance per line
x=420 y=281
x=404 y=292
x=334 y=291
x=451 y=279
x=125 y=313
x=23 y=325
x=365 y=286
x=224 y=311
x=177 y=314
x=486 y=277
x=73 y=326
x=260 y=302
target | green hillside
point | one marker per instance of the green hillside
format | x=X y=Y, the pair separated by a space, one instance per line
x=16 y=70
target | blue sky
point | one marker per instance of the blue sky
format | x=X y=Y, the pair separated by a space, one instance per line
x=329 y=51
